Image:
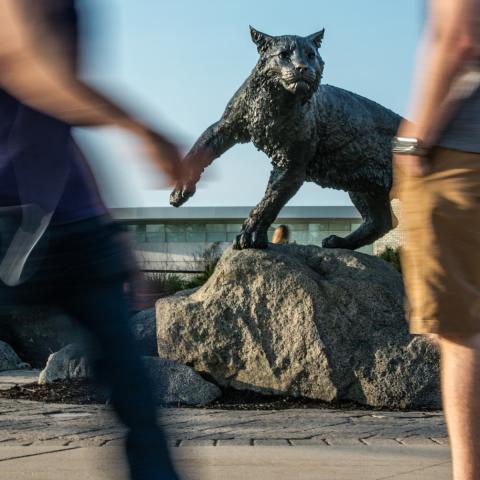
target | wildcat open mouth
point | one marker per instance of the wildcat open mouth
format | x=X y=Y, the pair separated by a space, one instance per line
x=299 y=85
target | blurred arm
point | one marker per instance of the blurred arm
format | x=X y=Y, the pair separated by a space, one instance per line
x=451 y=38
x=38 y=70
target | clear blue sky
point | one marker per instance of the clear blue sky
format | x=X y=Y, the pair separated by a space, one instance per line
x=182 y=60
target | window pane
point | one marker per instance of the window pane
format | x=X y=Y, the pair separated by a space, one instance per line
x=155 y=227
x=298 y=227
x=157 y=237
x=318 y=227
x=155 y=233
x=216 y=227
x=234 y=227
x=340 y=226
x=196 y=232
x=196 y=236
x=139 y=233
x=231 y=236
x=195 y=227
x=175 y=233
x=216 y=237
x=300 y=237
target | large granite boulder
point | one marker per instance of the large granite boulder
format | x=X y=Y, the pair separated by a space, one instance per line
x=303 y=321
x=9 y=360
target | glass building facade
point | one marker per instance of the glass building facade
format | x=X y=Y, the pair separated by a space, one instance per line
x=174 y=240
x=312 y=232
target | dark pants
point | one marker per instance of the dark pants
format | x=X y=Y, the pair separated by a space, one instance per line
x=82 y=270
x=103 y=312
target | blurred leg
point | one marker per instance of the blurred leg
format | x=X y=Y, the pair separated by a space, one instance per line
x=461 y=400
x=103 y=310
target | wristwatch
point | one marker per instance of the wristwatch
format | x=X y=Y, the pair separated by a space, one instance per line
x=408 y=146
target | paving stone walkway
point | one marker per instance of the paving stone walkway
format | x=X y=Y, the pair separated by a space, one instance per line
x=26 y=423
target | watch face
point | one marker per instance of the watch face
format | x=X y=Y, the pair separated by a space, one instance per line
x=407 y=141
x=400 y=145
x=407 y=146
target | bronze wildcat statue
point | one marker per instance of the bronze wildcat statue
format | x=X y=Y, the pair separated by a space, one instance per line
x=312 y=133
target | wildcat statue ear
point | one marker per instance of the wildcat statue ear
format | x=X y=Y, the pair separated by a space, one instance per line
x=261 y=40
x=317 y=38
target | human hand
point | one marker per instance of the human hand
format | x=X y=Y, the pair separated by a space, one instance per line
x=185 y=188
x=193 y=165
x=164 y=155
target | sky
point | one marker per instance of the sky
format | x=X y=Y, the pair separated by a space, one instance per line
x=177 y=64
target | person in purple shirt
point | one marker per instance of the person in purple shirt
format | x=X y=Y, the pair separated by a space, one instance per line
x=58 y=244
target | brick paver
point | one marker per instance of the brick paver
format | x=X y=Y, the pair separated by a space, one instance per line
x=33 y=423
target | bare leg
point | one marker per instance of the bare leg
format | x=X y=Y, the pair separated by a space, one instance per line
x=461 y=401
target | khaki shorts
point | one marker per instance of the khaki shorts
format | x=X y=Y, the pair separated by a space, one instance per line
x=441 y=255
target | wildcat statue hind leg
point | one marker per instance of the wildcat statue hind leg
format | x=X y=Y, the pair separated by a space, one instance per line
x=378 y=219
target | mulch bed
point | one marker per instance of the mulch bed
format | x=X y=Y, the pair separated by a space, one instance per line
x=78 y=392
x=85 y=392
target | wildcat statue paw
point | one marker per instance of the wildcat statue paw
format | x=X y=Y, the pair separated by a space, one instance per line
x=251 y=239
x=180 y=195
x=334 y=241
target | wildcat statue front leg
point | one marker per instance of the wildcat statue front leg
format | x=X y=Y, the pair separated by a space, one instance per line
x=282 y=186
x=213 y=143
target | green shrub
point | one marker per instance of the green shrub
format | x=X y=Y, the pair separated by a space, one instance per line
x=209 y=258
x=165 y=283
x=392 y=256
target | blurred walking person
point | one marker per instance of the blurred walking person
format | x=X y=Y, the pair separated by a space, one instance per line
x=58 y=243
x=437 y=169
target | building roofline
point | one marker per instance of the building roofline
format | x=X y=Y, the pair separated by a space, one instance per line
x=231 y=213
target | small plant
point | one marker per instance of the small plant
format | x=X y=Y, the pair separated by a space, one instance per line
x=392 y=256
x=209 y=258
x=165 y=283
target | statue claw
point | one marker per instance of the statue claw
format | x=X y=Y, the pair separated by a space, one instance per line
x=179 y=196
x=334 y=241
x=251 y=239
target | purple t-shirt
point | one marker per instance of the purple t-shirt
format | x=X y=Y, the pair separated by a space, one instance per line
x=40 y=164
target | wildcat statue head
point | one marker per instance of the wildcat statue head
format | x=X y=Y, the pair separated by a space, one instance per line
x=290 y=61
